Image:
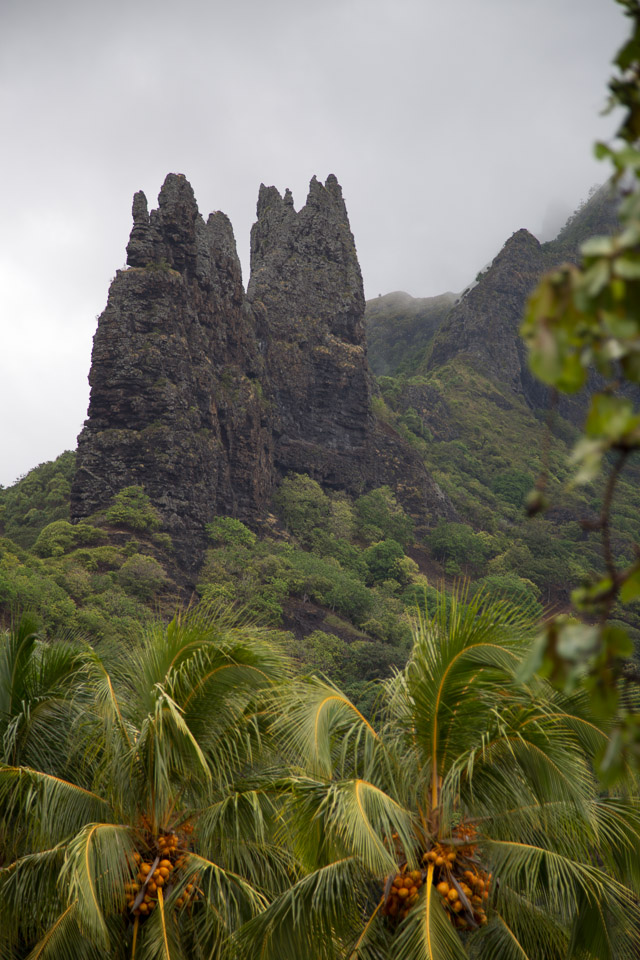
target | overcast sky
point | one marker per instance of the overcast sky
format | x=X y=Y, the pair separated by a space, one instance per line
x=448 y=124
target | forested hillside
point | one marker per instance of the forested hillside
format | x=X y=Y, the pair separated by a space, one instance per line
x=336 y=572
x=487 y=431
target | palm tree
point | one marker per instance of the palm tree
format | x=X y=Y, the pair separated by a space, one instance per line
x=467 y=822
x=147 y=832
x=36 y=680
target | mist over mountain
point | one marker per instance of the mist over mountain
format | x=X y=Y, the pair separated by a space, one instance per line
x=319 y=461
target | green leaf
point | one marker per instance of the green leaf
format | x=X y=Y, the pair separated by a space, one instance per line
x=577 y=641
x=587 y=454
x=597 y=247
x=617 y=641
x=630 y=589
x=627 y=268
x=602 y=151
x=596 y=277
x=610 y=416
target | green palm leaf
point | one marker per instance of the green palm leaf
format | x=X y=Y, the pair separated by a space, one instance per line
x=63 y=940
x=313 y=916
x=426 y=934
x=49 y=808
x=98 y=863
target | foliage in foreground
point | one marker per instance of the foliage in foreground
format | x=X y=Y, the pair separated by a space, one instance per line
x=131 y=815
x=582 y=328
x=471 y=782
x=182 y=798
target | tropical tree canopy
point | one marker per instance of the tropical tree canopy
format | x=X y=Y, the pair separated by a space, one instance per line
x=144 y=831
x=465 y=821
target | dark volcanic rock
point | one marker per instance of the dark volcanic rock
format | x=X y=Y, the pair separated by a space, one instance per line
x=306 y=290
x=483 y=326
x=393 y=462
x=175 y=400
x=205 y=396
x=482 y=329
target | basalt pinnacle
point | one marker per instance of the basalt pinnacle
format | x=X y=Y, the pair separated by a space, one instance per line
x=176 y=404
x=205 y=395
x=307 y=296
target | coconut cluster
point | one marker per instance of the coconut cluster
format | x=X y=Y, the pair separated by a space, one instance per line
x=458 y=876
x=159 y=868
x=403 y=893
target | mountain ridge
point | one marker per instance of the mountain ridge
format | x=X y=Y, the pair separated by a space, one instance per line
x=207 y=396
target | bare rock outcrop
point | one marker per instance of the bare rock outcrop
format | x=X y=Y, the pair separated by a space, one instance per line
x=307 y=296
x=176 y=404
x=206 y=396
x=483 y=326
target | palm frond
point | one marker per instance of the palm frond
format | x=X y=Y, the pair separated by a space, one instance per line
x=98 y=863
x=36 y=683
x=233 y=897
x=361 y=815
x=537 y=870
x=503 y=940
x=63 y=940
x=317 y=914
x=244 y=832
x=618 y=837
x=426 y=933
x=461 y=659
x=16 y=648
x=49 y=808
x=30 y=900
x=320 y=727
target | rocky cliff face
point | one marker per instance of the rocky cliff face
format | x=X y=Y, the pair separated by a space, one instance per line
x=175 y=401
x=307 y=297
x=482 y=328
x=206 y=396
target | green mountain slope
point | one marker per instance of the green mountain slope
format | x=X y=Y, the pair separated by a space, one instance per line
x=400 y=328
x=480 y=421
x=336 y=576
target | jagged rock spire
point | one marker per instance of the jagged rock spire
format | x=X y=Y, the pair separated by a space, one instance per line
x=205 y=396
x=175 y=404
x=306 y=287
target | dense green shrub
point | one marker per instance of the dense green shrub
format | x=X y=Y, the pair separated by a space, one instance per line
x=342 y=519
x=142 y=577
x=325 y=582
x=132 y=508
x=382 y=561
x=100 y=559
x=523 y=593
x=457 y=544
x=347 y=554
x=381 y=517
x=302 y=505
x=59 y=537
x=513 y=486
x=37 y=499
x=229 y=531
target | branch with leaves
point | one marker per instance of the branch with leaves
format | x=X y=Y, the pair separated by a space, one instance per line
x=582 y=328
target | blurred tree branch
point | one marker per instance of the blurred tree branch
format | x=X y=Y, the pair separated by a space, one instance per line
x=583 y=321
